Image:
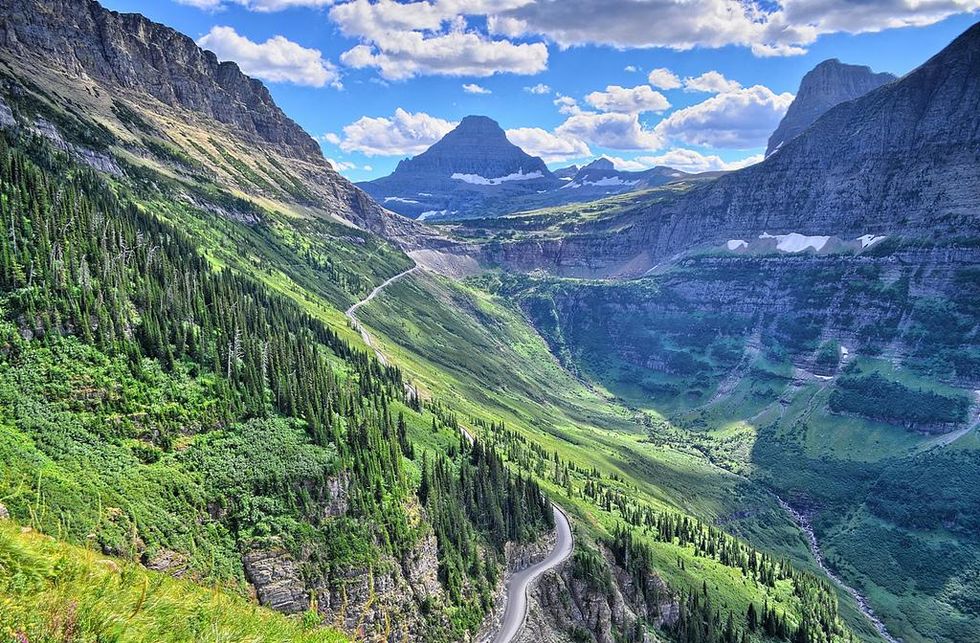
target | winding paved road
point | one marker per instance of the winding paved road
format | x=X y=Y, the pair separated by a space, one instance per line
x=519 y=582
x=517 y=585
x=352 y=316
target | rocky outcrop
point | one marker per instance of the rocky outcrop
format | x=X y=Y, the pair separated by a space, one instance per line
x=277 y=580
x=825 y=86
x=384 y=602
x=130 y=51
x=6 y=116
x=390 y=599
x=168 y=561
x=565 y=607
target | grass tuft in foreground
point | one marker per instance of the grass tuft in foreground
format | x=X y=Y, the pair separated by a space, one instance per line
x=51 y=591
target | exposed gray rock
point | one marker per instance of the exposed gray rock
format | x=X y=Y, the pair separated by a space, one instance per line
x=97 y=160
x=336 y=503
x=170 y=562
x=566 y=608
x=6 y=115
x=4 y=514
x=47 y=129
x=130 y=51
x=825 y=86
x=277 y=581
x=566 y=172
x=383 y=601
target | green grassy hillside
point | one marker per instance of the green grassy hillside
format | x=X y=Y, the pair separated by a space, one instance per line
x=472 y=351
x=168 y=401
x=878 y=445
x=51 y=591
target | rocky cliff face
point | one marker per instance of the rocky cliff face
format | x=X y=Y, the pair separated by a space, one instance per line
x=825 y=86
x=901 y=160
x=389 y=600
x=564 y=607
x=130 y=51
x=138 y=84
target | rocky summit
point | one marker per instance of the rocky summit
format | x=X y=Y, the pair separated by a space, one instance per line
x=825 y=86
x=474 y=172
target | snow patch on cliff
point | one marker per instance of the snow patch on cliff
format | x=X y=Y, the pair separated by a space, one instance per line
x=476 y=179
x=869 y=239
x=796 y=242
x=399 y=199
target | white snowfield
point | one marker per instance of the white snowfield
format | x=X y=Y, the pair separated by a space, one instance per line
x=399 y=199
x=608 y=181
x=432 y=213
x=476 y=179
x=796 y=242
x=868 y=239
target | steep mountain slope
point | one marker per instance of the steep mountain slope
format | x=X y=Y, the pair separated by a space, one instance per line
x=470 y=166
x=901 y=160
x=179 y=387
x=808 y=323
x=825 y=86
x=179 y=384
x=140 y=80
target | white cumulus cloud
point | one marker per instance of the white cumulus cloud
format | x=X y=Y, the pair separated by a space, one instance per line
x=685 y=160
x=567 y=105
x=276 y=60
x=262 y=6
x=739 y=119
x=663 y=78
x=549 y=146
x=406 y=39
x=628 y=100
x=785 y=27
x=711 y=82
x=540 y=89
x=473 y=88
x=404 y=134
x=612 y=130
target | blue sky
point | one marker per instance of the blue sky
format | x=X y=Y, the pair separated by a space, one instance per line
x=378 y=80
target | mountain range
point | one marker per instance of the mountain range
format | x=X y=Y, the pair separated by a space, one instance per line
x=898 y=160
x=242 y=398
x=474 y=171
